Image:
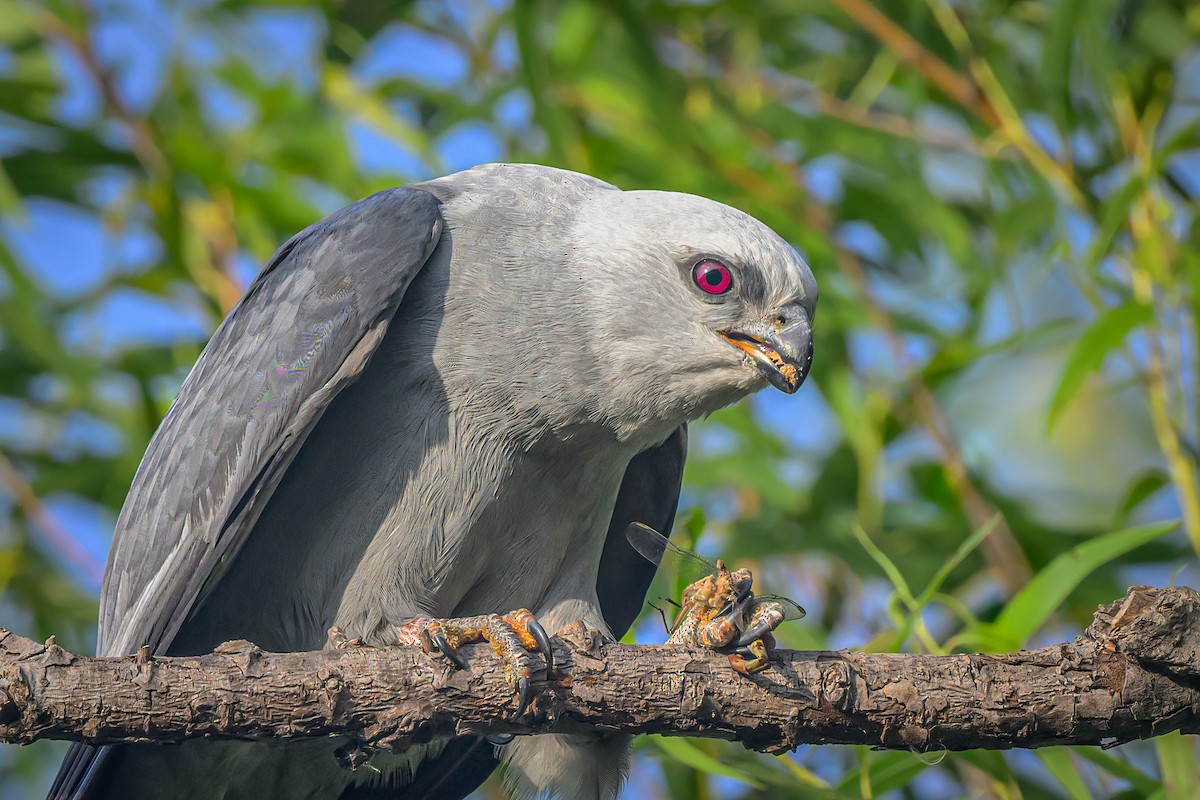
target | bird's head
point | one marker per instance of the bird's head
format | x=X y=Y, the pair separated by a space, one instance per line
x=699 y=304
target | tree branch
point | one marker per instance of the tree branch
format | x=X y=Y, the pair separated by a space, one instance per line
x=1134 y=673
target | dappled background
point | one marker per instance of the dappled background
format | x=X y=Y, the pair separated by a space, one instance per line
x=998 y=199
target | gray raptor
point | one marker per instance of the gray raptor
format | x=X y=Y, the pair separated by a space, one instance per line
x=448 y=399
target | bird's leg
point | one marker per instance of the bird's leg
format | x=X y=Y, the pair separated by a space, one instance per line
x=511 y=636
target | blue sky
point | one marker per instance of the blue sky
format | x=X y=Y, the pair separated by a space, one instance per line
x=71 y=252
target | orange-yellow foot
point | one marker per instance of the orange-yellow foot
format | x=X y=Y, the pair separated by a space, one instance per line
x=339 y=641
x=511 y=636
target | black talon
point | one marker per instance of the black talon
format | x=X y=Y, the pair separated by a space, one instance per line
x=500 y=739
x=753 y=632
x=449 y=652
x=743 y=590
x=736 y=610
x=543 y=643
x=523 y=693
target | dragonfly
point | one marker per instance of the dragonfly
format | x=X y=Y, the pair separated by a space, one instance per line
x=719 y=609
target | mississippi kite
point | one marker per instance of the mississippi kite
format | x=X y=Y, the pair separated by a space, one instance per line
x=446 y=400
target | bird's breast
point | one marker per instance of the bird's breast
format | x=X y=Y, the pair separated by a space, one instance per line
x=485 y=523
x=538 y=533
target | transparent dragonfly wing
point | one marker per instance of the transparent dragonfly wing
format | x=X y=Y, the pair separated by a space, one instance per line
x=658 y=549
x=680 y=568
x=689 y=566
x=791 y=609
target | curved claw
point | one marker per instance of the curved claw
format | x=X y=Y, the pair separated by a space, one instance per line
x=500 y=739
x=543 y=642
x=735 y=610
x=449 y=652
x=756 y=631
x=523 y=694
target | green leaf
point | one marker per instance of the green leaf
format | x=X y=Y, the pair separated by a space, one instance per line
x=1062 y=767
x=1104 y=335
x=881 y=772
x=1034 y=604
x=689 y=754
x=1177 y=761
x=801 y=775
x=1140 y=781
x=1163 y=31
x=1184 y=137
x=1057 y=60
x=1116 y=216
x=1147 y=484
x=693 y=525
x=967 y=546
x=887 y=565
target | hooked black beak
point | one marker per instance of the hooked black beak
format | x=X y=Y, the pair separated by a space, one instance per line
x=781 y=347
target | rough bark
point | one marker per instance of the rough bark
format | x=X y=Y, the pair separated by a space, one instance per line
x=1134 y=673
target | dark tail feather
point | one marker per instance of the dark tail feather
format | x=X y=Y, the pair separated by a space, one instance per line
x=77 y=771
x=458 y=770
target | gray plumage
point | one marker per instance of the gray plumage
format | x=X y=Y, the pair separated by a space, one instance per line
x=447 y=399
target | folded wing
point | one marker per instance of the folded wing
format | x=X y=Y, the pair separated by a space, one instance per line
x=305 y=329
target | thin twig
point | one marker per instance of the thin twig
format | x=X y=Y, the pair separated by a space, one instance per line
x=1001 y=549
x=40 y=517
x=956 y=86
x=142 y=142
x=225 y=288
x=981 y=93
x=1151 y=258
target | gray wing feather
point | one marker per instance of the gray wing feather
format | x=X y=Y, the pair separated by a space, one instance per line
x=303 y=331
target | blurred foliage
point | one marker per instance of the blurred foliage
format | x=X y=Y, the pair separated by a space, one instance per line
x=998 y=198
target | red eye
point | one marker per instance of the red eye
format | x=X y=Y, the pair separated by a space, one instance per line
x=712 y=276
